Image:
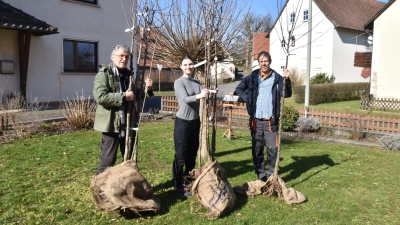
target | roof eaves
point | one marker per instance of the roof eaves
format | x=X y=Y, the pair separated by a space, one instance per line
x=277 y=19
x=370 y=22
x=16 y=19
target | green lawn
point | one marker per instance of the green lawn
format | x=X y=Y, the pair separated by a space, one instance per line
x=46 y=179
x=347 y=106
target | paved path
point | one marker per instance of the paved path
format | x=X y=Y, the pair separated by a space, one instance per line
x=226 y=89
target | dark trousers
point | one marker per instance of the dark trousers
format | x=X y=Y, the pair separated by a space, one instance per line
x=264 y=133
x=186 y=137
x=109 y=147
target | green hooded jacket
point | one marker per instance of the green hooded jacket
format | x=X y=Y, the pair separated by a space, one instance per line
x=107 y=118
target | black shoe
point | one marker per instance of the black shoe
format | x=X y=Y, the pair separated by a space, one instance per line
x=181 y=192
x=265 y=178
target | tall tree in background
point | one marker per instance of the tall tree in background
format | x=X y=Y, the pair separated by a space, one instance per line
x=205 y=29
x=244 y=43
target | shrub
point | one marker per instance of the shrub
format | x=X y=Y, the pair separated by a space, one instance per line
x=289 y=117
x=326 y=93
x=390 y=142
x=79 y=112
x=307 y=124
x=22 y=112
x=296 y=77
x=322 y=78
x=356 y=125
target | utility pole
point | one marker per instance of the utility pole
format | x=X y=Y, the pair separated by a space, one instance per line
x=307 y=92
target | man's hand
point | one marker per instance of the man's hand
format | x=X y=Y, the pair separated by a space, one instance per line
x=129 y=95
x=149 y=83
x=286 y=73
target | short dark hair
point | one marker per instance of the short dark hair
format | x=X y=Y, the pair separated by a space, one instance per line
x=265 y=54
x=187 y=57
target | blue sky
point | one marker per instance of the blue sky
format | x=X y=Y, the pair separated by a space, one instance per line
x=263 y=7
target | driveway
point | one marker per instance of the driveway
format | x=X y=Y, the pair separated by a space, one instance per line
x=223 y=89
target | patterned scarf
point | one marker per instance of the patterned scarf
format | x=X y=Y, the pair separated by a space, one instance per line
x=122 y=112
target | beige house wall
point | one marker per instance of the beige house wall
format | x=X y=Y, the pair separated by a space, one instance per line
x=385 y=72
x=104 y=24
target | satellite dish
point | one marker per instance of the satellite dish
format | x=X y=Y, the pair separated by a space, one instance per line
x=370 y=39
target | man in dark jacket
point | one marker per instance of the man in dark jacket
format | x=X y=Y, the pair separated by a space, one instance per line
x=262 y=92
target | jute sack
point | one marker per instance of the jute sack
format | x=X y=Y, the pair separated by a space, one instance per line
x=123 y=187
x=290 y=195
x=213 y=190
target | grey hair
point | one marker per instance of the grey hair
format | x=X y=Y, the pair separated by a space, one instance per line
x=117 y=47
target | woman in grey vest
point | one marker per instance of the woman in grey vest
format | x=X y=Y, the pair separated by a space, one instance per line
x=188 y=91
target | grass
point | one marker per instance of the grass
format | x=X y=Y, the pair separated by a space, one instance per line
x=164 y=93
x=347 y=106
x=46 y=179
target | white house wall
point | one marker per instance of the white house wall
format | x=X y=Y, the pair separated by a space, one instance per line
x=8 y=44
x=345 y=43
x=331 y=50
x=104 y=24
x=385 y=72
x=298 y=54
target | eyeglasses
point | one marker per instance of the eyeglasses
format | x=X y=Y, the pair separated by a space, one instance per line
x=123 y=56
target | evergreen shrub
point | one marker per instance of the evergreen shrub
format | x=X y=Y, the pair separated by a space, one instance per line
x=290 y=116
x=335 y=92
x=322 y=78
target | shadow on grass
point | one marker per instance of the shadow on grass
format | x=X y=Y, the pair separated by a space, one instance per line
x=303 y=164
x=220 y=154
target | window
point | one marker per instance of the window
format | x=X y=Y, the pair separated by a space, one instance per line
x=293 y=41
x=319 y=39
x=303 y=64
x=304 y=41
x=282 y=63
x=283 y=43
x=292 y=17
x=80 y=56
x=94 y=2
x=305 y=15
x=318 y=63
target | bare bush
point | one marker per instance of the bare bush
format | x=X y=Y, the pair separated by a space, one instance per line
x=79 y=111
x=307 y=124
x=21 y=114
x=390 y=142
x=356 y=125
x=296 y=77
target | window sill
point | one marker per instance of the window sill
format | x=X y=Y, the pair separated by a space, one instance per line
x=83 y=3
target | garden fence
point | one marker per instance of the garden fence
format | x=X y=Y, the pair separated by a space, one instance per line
x=339 y=120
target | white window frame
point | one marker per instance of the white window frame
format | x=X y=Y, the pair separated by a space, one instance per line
x=319 y=39
x=318 y=63
x=305 y=15
x=292 y=18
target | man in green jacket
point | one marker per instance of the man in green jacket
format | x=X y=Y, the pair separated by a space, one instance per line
x=112 y=93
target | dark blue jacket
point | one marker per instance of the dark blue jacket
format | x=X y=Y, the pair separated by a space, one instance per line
x=248 y=92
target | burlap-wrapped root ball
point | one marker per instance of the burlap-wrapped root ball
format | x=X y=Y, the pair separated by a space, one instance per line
x=213 y=190
x=123 y=187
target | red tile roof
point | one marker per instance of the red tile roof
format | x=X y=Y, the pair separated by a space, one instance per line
x=260 y=43
x=13 y=18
